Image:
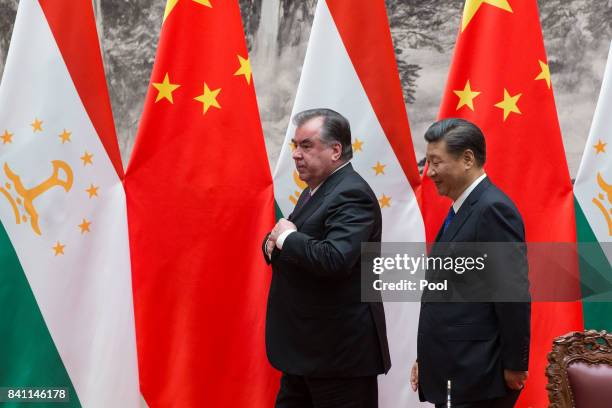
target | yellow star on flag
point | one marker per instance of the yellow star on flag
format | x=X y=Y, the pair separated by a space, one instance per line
x=6 y=137
x=170 y=4
x=65 y=136
x=509 y=104
x=169 y=7
x=600 y=147
x=208 y=98
x=384 y=201
x=357 y=146
x=36 y=125
x=92 y=191
x=204 y=3
x=84 y=226
x=544 y=73
x=87 y=158
x=59 y=249
x=245 y=69
x=472 y=7
x=379 y=168
x=466 y=96
x=165 y=89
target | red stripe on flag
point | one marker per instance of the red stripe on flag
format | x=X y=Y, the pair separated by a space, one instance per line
x=501 y=50
x=200 y=201
x=377 y=70
x=72 y=26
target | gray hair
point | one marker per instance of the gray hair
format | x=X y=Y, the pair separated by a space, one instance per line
x=336 y=128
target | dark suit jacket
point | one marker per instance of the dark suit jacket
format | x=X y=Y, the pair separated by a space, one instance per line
x=471 y=343
x=316 y=324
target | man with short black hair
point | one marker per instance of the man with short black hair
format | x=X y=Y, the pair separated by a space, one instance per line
x=329 y=345
x=481 y=347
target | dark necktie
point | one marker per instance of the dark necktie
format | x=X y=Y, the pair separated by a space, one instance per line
x=449 y=218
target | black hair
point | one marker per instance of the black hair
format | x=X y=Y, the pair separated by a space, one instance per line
x=459 y=135
x=336 y=128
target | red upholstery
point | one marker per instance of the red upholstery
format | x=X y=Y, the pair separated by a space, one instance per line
x=591 y=384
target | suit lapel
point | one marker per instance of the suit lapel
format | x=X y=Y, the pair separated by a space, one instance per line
x=299 y=204
x=462 y=216
x=307 y=209
x=464 y=213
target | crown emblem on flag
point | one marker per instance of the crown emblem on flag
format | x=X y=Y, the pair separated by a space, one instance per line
x=600 y=201
x=300 y=184
x=25 y=196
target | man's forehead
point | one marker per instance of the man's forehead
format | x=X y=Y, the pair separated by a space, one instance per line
x=436 y=148
x=437 y=145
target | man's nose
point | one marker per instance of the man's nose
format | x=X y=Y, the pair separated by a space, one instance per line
x=430 y=172
x=296 y=154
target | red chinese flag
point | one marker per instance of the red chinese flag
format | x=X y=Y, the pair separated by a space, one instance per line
x=200 y=201
x=500 y=80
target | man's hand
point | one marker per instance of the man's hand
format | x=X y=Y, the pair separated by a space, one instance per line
x=270 y=244
x=281 y=226
x=515 y=380
x=414 y=376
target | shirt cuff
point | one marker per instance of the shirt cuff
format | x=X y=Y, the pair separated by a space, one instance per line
x=282 y=237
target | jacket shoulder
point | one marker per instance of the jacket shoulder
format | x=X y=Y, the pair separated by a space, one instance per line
x=494 y=196
x=353 y=181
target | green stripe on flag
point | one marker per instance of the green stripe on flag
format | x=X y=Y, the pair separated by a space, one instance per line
x=595 y=275
x=28 y=357
x=278 y=214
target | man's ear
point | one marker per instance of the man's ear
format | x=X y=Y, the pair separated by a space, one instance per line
x=469 y=159
x=337 y=148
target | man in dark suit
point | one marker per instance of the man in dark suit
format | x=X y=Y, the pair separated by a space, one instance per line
x=481 y=347
x=328 y=344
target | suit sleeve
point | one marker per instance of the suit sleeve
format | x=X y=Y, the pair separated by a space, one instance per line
x=352 y=216
x=502 y=223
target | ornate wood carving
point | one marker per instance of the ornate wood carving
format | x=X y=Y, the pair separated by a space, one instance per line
x=590 y=347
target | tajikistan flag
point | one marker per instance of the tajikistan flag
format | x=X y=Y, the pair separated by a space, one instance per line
x=593 y=193
x=65 y=292
x=350 y=67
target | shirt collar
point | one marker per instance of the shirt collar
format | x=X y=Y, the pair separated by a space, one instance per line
x=461 y=199
x=314 y=190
